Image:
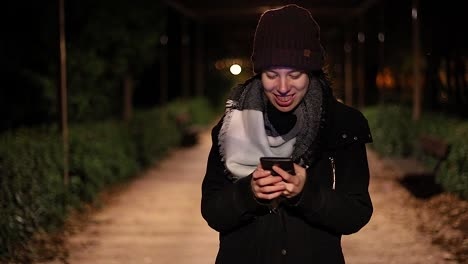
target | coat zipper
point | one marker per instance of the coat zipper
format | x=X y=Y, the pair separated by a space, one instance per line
x=332 y=161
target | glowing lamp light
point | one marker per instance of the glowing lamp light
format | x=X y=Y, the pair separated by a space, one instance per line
x=414 y=13
x=381 y=37
x=235 y=69
x=361 y=37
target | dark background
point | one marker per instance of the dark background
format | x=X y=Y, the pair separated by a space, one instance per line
x=109 y=41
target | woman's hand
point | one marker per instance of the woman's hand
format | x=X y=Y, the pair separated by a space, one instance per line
x=266 y=186
x=293 y=183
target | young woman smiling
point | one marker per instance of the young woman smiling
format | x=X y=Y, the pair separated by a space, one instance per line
x=285 y=87
x=286 y=110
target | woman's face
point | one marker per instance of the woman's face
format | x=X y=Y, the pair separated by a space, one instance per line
x=285 y=87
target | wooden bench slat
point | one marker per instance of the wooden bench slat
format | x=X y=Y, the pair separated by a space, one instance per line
x=435 y=147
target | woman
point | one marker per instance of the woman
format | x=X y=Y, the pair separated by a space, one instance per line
x=286 y=110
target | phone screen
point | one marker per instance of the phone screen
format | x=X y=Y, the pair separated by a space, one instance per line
x=284 y=163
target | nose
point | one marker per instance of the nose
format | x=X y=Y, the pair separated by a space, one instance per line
x=283 y=88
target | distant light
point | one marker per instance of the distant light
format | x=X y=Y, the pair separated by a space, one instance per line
x=414 y=13
x=361 y=37
x=381 y=37
x=235 y=69
x=164 y=39
x=219 y=65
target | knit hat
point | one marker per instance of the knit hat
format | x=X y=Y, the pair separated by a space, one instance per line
x=289 y=37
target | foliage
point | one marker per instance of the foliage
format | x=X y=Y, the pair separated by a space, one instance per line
x=105 y=42
x=453 y=174
x=101 y=154
x=109 y=40
x=197 y=110
x=395 y=134
x=33 y=197
x=391 y=129
x=153 y=132
x=220 y=85
x=31 y=189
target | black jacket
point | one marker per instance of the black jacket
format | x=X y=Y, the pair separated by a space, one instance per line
x=307 y=228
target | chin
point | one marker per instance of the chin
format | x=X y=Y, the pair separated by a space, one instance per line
x=285 y=109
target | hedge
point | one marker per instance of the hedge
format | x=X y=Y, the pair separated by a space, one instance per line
x=33 y=197
x=31 y=188
x=395 y=134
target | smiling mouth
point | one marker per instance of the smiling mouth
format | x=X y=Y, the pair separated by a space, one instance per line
x=284 y=100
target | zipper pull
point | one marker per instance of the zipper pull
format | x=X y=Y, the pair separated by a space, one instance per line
x=332 y=161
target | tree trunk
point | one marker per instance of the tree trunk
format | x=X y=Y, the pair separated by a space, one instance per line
x=127 y=97
x=348 y=74
x=63 y=91
x=361 y=66
x=417 y=89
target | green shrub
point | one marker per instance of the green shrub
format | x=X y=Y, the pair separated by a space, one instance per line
x=392 y=130
x=453 y=173
x=396 y=135
x=154 y=132
x=33 y=196
x=101 y=154
x=202 y=111
x=198 y=111
x=31 y=187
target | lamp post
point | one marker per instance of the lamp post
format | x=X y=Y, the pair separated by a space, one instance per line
x=417 y=89
x=63 y=91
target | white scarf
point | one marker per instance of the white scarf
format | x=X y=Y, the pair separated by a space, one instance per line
x=246 y=134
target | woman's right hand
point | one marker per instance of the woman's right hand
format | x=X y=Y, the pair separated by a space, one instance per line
x=266 y=186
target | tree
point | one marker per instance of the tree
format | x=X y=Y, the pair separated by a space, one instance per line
x=111 y=43
x=107 y=42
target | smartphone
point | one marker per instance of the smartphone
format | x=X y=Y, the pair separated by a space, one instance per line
x=284 y=163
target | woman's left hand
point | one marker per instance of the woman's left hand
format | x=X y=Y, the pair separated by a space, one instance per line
x=293 y=183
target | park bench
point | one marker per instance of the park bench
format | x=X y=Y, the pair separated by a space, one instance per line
x=189 y=132
x=415 y=176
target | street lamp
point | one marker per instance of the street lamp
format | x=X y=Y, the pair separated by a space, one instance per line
x=235 y=69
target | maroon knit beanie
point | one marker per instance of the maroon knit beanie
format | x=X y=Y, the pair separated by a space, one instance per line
x=288 y=37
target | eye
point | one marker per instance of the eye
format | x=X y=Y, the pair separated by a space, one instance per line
x=295 y=75
x=271 y=75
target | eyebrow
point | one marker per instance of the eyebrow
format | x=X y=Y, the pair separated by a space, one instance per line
x=298 y=72
x=275 y=71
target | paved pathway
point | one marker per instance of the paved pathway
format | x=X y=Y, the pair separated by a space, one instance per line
x=391 y=236
x=157 y=220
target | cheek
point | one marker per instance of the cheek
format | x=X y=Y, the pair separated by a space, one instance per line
x=268 y=89
x=268 y=85
x=301 y=86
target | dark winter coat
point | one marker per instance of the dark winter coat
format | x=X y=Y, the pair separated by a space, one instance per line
x=306 y=228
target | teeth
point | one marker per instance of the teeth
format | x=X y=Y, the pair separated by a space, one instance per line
x=284 y=98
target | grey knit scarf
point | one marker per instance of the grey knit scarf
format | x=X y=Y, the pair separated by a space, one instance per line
x=247 y=134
